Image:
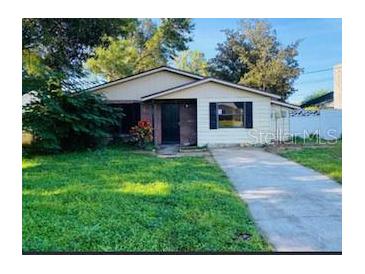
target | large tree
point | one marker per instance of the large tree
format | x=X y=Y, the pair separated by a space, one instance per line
x=55 y=49
x=226 y=65
x=53 y=54
x=257 y=58
x=148 y=47
x=193 y=61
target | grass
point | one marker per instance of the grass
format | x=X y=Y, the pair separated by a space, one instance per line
x=118 y=200
x=326 y=159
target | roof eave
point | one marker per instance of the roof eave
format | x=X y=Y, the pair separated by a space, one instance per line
x=206 y=80
x=143 y=74
x=292 y=106
x=254 y=90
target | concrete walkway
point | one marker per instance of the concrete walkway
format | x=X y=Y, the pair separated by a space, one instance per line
x=296 y=208
x=169 y=150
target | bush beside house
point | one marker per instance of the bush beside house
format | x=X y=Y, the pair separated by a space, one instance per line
x=60 y=121
x=142 y=133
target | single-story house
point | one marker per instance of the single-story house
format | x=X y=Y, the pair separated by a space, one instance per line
x=190 y=109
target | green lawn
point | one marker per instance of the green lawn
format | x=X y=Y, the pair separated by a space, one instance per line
x=118 y=200
x=325 y=159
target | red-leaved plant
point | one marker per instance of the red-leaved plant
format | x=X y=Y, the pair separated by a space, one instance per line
x=142 y=133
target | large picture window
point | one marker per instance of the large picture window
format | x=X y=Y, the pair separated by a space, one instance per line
x=230 y=115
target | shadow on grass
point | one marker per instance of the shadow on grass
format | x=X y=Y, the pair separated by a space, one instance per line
x=115 y=200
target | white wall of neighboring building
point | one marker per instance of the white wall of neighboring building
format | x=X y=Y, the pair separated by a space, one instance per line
x=337 y=86
x=139 y=87
x=215 y=93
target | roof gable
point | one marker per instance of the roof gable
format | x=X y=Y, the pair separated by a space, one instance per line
x=146 y=73
x=204 y=81
x=135 y=89
x=152 y=91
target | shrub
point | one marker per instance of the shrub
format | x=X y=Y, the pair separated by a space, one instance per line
x=62 y=121
x=142 y=133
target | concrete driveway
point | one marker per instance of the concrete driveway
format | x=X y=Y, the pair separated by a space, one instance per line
x=296 y=208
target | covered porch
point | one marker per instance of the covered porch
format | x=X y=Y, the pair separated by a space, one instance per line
x=173 y=121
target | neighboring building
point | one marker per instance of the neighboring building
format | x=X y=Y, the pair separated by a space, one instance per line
x=337 y=86
x=189 y=109
x=323 y=101
x=331 y=99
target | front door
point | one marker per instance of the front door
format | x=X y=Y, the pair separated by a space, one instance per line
x=170 y=123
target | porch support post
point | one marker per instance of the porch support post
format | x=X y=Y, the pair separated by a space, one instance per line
x=153 y=122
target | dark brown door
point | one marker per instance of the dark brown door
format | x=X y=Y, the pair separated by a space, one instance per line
x=170 y=123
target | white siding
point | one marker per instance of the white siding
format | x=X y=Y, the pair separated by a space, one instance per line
x=212 y=92
x=139 y=87
x=280 y=124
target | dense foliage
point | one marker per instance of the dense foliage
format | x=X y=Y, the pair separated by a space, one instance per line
x=146 y=47
x=193 y=61
x=54 y=49
x=61 y=121
x=226 y=65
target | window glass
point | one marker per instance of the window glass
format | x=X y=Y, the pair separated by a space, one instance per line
x=229 y=115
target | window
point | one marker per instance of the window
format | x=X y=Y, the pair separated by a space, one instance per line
x=278 y=114
x=284 y=113
x=230 y=115
x=131 y=117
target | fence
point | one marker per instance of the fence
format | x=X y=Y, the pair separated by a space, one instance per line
x=326 y=123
